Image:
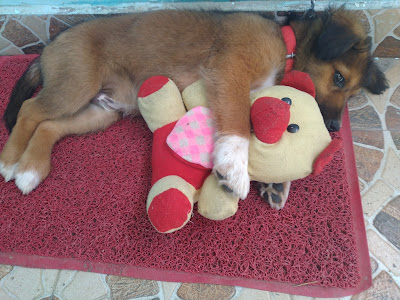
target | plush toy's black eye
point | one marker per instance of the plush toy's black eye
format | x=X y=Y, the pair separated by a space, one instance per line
x=338 y=79
x=287 y=100
x=293 y=128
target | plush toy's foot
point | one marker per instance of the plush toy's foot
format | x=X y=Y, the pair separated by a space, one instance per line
x=214 y=202
x=275 y=194
x=170 y=211
x=170 y=204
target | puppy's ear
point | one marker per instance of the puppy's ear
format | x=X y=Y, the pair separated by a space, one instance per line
x=334 y=40
x=364 y=45
x=374 y=79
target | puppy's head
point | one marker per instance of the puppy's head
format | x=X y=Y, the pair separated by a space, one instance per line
x=335 y=51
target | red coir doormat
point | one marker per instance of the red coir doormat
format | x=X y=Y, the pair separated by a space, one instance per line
x=89 y=215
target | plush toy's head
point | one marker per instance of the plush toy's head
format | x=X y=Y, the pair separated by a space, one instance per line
x=289 y=132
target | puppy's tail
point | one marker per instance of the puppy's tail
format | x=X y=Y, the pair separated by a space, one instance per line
x=23 y=90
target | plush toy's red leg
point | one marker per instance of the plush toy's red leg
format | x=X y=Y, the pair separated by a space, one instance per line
x=169 y=210
x=170 y=203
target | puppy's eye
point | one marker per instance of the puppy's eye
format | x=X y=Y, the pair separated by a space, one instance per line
x=338 y=79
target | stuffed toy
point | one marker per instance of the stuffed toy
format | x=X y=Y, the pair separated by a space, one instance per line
x=289 y=141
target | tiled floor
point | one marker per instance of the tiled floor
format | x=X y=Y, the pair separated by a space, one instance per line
x=376 y=133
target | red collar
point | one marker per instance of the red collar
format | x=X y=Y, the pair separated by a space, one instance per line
x=290 y=41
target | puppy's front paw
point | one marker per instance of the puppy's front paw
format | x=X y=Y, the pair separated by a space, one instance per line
x=27 y=181
x=230 y=164
x=7 y=171
x=31 y=172
x=275 y=194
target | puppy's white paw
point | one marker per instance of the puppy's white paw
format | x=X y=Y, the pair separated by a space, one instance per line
x=27 y=181
x=230 y=164
x=7 y=171
x=275 y=194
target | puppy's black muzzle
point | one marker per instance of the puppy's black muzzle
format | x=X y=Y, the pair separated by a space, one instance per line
x=332 y=125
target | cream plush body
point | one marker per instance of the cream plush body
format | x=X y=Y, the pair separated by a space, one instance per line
x=275 y=154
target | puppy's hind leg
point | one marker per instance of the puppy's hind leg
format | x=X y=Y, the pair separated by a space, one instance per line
x=34 y=165
x=30 y=116
x=54 y=101
x=275 y=194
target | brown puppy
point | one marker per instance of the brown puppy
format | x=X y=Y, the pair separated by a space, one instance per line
x=91 y=74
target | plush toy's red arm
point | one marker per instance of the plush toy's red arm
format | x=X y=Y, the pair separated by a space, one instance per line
x=326 y=156
x=299 y=80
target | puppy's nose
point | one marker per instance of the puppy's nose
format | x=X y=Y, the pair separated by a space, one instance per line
x=332 y=125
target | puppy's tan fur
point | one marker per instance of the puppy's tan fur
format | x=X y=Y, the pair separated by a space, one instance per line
x=233 y=53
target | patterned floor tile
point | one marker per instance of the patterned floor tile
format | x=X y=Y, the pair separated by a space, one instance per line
x=391 y=172
x=24 y=283
x=301 y=298
x=4 y=295
x=168 y=289
x=379 y=101
x=88 y=286
x=56 y=27
x=52 y=297
x=392 y=117
x=197 y=291
x=254 y=295
x=367 y=137
x=392 y=74
x=37 y=26
x=35 y=49
x=388 y=222
x=4 y=43
x=18 y=34
x=374 y=265
x=375 y=197
x=2 y=19
x=50 y=279
x=11 y=50
x=395 y=99
x=280 y=296
x=383 y=288
x=396 y=138
x=396 y=31
x=365 y=118
x=357 y=101
x=366 y=127
x=384 y=63
x=127 y=288
x=4 y=270
x=368 y=161
x=361 y=185
x=74 y=19
x=385 y=252
x=385 y=22
x=64 y=279
x=373 y=11
x=389 y=47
